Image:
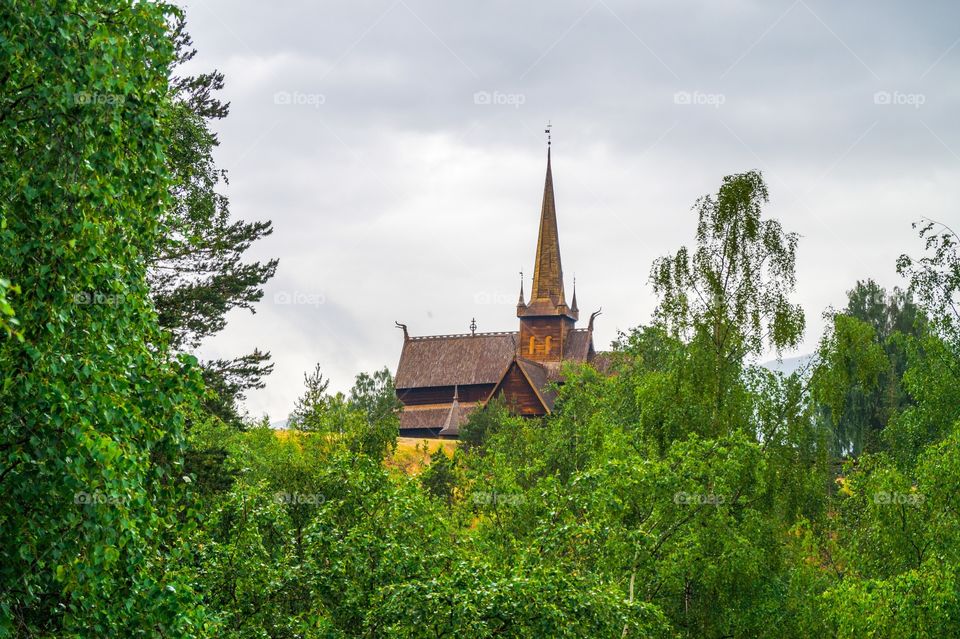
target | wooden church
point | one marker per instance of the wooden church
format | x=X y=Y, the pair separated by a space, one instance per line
x=441 y=379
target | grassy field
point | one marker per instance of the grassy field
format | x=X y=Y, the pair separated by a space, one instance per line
x=412 y=454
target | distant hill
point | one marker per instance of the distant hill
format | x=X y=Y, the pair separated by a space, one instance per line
x=280 y=425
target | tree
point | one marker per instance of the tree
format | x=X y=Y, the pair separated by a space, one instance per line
x=483 y=423
x=730 y=297
x=439 y=478
x=733 y=290
x=375 y=397
x=861 y=363
x=932 y=376
x=309 y=411
x=367 y=421
x=92 y=402
x=850 y=365
x=935 y=278
x=197 y=274
x=8 y=320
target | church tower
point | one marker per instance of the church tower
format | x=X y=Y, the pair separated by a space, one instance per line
x=442 y=379
x=546 y=320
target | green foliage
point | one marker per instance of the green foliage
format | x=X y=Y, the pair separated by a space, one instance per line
x=851 y=365
x=891 y=549
x=375 y=397
x=686 y=494
x=932 y=372
x=439 y=479
x=309 y=412
x=730 y=297
x=8 y=321
x=935 y=277
x=860 y=366
x=92 y=405
x=368 y=421
x=733 y=289
x=482 y=424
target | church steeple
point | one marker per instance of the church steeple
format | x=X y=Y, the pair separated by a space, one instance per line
x=547 y=272
x=547 y=296
x=546 y=320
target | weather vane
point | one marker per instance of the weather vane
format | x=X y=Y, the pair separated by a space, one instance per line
x=547 y=131
x=473 y=326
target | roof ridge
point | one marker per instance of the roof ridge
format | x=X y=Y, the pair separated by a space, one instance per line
x=490 y=334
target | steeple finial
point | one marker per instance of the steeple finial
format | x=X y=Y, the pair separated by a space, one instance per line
x=573 y=303
x=547 y=131
x=521 y=301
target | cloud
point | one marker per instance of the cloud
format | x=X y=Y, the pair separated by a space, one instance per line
x=397 y=194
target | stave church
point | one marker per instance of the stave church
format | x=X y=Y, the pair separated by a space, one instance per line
x=441 y=379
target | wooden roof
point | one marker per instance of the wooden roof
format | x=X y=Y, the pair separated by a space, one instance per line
x=449 y=360
x=456 y=417
x=448 y=417
x=577 y=345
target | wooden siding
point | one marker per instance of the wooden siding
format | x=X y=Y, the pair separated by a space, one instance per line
x=539 y=328
x=518 y=395
x=443 y=394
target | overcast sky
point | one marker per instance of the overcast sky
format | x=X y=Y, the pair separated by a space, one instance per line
x=398 y=148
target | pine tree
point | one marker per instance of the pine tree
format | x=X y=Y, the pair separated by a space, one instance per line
x=196 y=273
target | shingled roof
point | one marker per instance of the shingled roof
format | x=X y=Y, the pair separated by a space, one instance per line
x=448 y=360
x=436 y=416
x=576 y=346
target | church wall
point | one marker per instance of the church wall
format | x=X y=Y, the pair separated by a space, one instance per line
x=540 y=328
x=517 y=394
x=443 y=394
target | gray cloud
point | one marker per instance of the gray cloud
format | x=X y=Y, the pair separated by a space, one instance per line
x=398 y=194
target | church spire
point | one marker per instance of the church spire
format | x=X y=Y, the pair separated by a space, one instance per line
x=547 y=271
x=547 y=296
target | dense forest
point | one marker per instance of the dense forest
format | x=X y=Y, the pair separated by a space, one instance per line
x=685 y=492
